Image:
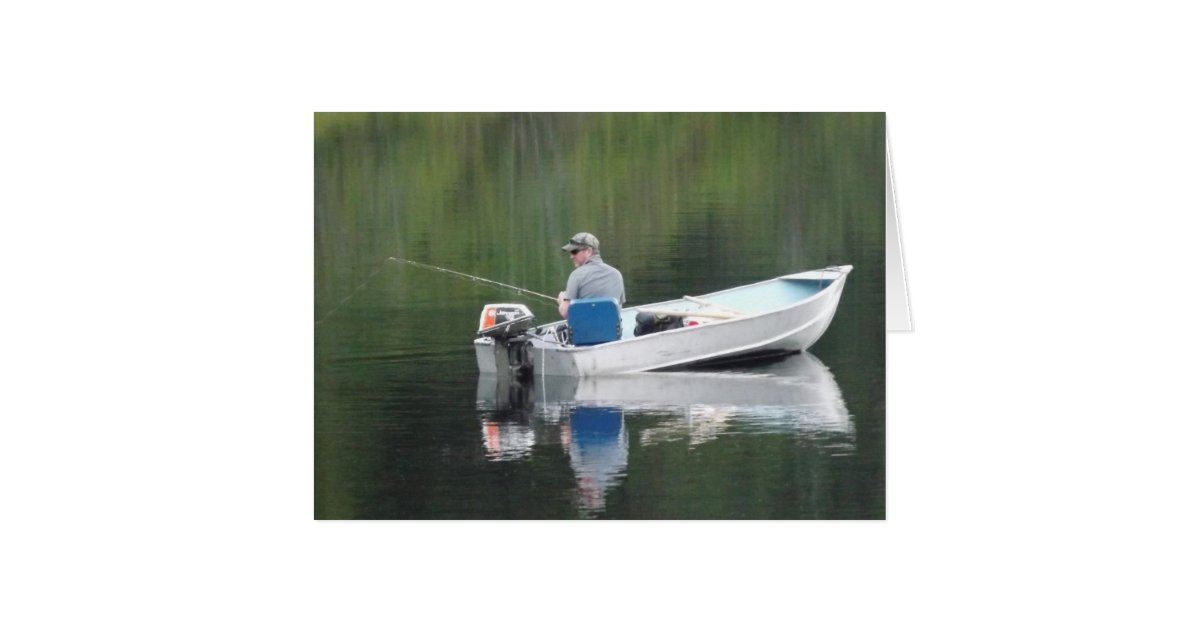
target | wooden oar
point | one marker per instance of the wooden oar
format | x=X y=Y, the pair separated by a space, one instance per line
x=690 y=314
x=712 y=305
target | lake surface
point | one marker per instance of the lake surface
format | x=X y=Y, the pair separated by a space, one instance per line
x=406 y=428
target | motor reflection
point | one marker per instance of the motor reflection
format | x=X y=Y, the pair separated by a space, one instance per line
x=506 y=424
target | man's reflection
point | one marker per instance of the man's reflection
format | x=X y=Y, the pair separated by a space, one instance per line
x=598 y=446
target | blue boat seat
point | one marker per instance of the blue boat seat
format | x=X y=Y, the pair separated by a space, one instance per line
x=594 y=320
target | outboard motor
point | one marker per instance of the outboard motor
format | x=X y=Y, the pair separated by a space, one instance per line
x=506 y=325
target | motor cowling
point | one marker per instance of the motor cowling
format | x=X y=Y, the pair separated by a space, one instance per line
x=502 y=321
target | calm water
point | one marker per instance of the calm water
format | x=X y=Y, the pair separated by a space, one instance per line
x=683 y=204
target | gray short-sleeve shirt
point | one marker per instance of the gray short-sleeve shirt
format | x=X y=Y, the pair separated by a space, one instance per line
x=595 y=279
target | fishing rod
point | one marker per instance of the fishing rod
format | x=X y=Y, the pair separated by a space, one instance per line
x=474 y=278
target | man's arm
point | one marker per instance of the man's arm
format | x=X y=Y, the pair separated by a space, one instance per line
x=572 y=292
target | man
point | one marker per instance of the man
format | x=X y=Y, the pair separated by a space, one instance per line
x=592 y=278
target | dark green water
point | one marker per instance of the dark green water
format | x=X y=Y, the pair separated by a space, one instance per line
x=682 y=204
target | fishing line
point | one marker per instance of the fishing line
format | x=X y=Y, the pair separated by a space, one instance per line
x=352 y=294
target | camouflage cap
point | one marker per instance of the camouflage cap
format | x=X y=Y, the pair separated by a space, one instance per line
x=582 y=240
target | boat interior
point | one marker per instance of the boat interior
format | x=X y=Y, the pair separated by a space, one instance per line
x=748 y=300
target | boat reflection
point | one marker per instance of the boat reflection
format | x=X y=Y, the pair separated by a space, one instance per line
x=587 y=417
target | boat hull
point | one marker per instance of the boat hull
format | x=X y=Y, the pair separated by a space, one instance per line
x=791 y=327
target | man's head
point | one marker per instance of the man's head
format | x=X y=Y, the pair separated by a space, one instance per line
x=581 y=247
